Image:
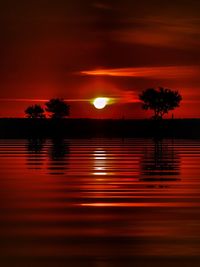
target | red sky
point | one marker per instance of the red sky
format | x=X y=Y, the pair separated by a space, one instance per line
x=78 y=50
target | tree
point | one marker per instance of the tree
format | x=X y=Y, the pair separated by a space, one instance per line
x=35 y=111
x=58 y=108
x=160 y=100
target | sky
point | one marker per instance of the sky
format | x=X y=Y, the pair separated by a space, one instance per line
x=79 y=50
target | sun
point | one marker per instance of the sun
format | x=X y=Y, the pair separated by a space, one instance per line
x=100 y=102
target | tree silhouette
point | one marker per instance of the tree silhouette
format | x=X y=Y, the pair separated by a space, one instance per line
x=160 y=100
x=35 y=111
x=58 y=108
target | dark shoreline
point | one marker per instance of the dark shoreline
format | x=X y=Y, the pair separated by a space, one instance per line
x=91 y=128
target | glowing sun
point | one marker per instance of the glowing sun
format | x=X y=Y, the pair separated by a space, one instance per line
x=100 y=102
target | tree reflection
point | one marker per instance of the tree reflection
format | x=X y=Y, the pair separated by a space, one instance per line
x=58 y=156
x=161 y=163
x=35 y=155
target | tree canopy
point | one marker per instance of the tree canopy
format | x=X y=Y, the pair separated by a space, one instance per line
x=35 y=111
x=58 y=108
x=160 y=100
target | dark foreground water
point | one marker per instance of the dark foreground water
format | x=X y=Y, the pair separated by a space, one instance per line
x=99 y=202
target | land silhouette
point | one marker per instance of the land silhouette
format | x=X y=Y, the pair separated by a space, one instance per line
x=89 y=128
x=54 y=123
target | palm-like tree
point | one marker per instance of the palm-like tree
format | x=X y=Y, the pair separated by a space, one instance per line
x=160 y=100
x=58 y=108
x=35 y=111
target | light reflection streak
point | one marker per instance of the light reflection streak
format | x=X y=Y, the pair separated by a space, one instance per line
x=99 y=168
x=100 y=158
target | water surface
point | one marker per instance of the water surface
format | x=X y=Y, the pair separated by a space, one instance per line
x=100 y=202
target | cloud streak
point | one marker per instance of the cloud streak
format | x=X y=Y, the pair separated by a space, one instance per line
x=41 y=100
x=182 y=33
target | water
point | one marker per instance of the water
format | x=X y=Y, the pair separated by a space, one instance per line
x=100 y=202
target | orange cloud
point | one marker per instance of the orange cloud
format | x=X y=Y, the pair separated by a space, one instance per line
x=169 y=72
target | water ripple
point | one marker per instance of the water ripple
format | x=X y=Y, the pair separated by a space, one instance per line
x=99 y=202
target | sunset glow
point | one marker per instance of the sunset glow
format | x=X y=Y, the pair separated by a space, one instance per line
x=83 y=49
x=100 y=133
